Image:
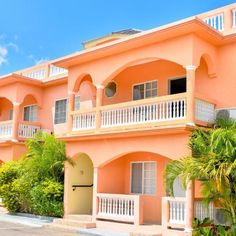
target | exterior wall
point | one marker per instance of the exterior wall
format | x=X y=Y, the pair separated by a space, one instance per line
x=115 y=178
x=50 y=95
x=11 y=152
x=224 y=81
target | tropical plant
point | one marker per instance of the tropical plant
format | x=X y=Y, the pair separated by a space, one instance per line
x=35 y=183
x=213 y=163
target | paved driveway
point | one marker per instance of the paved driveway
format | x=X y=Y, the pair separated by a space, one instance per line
x=11 y=229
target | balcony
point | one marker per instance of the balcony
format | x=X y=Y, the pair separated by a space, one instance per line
x=147 y=113
x=25 y=130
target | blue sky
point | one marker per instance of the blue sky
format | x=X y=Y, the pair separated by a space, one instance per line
x=32 y=31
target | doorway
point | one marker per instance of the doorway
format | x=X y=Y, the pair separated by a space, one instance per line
x=177 y=85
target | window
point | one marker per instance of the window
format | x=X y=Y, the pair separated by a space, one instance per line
x=10 y=114
x=60 y=111
x=143 y=177
x=145 y=90
x=77 y=103
x=30 y=113
x=110 y=89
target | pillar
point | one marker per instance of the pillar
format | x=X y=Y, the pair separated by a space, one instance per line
x=15 y=120
x=71 y=100
x=189 y=207
x=190 y=80
x=99 y=94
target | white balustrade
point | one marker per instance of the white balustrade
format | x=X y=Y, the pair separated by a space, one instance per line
x=216 y=21
x=152 y=111
x=177 y=210
x=6 y=129
x=27 y=131
x=118 y=207
x=54 y=70
x=204 y=111
x=234 y=18
x=84 y=121
x=202 y=211
x=38 y=74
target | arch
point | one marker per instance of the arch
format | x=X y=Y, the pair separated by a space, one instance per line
x=29 y=99
x=78 y=188
x=80 y=79
x=5 y=107
x=139 y=61
x=211 y=65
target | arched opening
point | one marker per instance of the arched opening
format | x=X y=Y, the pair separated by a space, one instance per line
x=85 y=92
x=6 y=109
x=137 y=173
x=142 y=79
x=80 y=185
x=29 y=109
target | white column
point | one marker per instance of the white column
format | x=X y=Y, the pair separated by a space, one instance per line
x=71 y=101
x=190 y=80
x=95 y=189
x=99 y=95
x=15 y=120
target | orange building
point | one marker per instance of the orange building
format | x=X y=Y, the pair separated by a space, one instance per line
x=126 y=106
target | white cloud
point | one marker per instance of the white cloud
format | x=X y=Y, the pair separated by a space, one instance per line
x=3 y=55
x=38 y=61
x=13 y=45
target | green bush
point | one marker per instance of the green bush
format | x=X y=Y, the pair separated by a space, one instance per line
x=47 y=198
x=35 y=183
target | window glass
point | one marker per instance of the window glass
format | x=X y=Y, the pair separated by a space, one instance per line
x=143 y=178
x=110 y=89
x=145 y=90
x=60 y=111
x=30 y=113
x=77 y=103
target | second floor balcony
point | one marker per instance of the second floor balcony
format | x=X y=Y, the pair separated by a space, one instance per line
x=165 y=111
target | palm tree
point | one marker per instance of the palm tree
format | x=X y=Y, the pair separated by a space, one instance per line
x=213 y=163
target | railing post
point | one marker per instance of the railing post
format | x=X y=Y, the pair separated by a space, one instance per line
x=15 y=120
x=98 y=104
x=95 y=190
x=71 y=99
x=189 y=206
x=165 y=213
x=190 y=79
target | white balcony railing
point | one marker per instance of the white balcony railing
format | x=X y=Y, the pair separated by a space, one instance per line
x=204 y=111
x=38 y=74
x=234 y=18
x=118 y=207
x=54 y=70
x=216 y=21
x=27 y=130
x=6 y=129
x=84 y=121
x=177 y=210
x=165 y=108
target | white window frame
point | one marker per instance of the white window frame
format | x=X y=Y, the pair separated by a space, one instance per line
x=155 y=163
x=31 y=105
x=145 y=84
x=54 y=118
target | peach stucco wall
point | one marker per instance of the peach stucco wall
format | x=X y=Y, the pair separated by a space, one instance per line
x=115 y=178
x=5 y=106
x=12 y=152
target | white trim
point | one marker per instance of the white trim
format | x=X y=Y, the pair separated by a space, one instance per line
x=190 y=67
x=144 y=83
x=99 y=86
x=16 y=103
x=145 y=194
x=54 y=115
